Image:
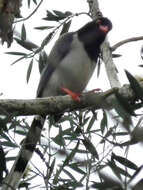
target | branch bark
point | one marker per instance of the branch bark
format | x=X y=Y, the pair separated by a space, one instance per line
x=61 y=104
x=133 y=39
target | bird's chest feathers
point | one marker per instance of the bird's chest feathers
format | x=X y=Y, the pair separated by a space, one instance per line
x=77 y=63
x=76 y=68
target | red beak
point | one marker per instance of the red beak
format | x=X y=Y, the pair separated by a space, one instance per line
x=104 y=29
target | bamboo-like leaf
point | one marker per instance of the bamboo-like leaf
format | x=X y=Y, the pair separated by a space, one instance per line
x=35 y=1
x=92 y=120
x=103 y=122
x=26 y=44
x=71 y=155
x=75 y=167
x=43 y=27
x=135 y=85
x=125 y=104
x=114 y=168
x=66 y=27
x=9 y=144
x=47 y=39
x=43 y=60
x=51 y=17
x=16 y=53
x=89 y=146
x=51 y=168
x=60 y=14
x=23 y=33
x=125 y=162
x=29 y=70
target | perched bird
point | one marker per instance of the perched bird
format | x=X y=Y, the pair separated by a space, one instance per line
x=71 y=64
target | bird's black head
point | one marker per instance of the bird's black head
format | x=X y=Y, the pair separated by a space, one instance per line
x=93 y=34
x=104 y=24
x=94 y=30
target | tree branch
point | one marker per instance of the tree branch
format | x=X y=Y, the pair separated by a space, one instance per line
x=106 y=50
x=133 y=39
x=61 y=104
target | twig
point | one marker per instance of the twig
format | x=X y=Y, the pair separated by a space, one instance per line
x=133 y=39
x=30 y=15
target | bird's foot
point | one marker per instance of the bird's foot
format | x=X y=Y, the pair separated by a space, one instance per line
x=75 y=96
x=95 y=90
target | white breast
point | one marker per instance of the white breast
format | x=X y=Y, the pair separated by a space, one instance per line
x=73 y=72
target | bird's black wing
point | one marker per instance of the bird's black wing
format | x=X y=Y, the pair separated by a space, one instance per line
x=58 y=52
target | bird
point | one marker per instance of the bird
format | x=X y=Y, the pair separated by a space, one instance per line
x=70 y=65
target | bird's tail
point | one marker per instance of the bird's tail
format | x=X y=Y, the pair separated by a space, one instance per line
x=13 y=179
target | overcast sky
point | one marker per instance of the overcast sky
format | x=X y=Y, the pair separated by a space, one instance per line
x=126 y=16
x=127 y=22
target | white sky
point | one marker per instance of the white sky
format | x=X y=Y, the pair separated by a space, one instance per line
x=126 y=16
x=127 y=22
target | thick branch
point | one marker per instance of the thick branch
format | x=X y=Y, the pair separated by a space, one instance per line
x=133 y=39
x=60 y=104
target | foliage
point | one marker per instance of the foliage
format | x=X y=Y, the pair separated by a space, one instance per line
x=86 y=149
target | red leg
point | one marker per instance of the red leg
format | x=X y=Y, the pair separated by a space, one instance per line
x=75 y=96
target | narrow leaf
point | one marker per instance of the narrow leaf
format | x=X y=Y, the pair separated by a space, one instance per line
x=135 y=85
x=26 y=44
x=43 y=27
x=16 y=53
x=89 y=146
x=23 y=33
x=51 y=168
x=29 y=71
x=75 y=167
x=125 y=104
x=9 y=144
x=60 y=14
x=66 y=27
x=125 y=162
x=103 y=122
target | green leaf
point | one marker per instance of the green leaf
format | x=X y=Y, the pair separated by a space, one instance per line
x=23 y=33
x=89 y=146
x=92 y=120
x=9 y=144
x=43 y=27
x=43 y=60
x=29 y=1
x=5 y=136
x=98 y=66
x=125 y=162
x=103 y=122
x=11 y=158
x=29 y=71
x=71 y=155
x=75 y=167
x=125 y=104
x=26 y=44
x=114 y=168
x=51 y=17
x=135 y=85
x=65 y=27
x=60 y=14
x=20 y=132
x=16 y=53
x=18 y=60
x=103 y=185
x=51 y=168
x=47 y=39
x=35 y=1
x=69 y=174
x=59 y=140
